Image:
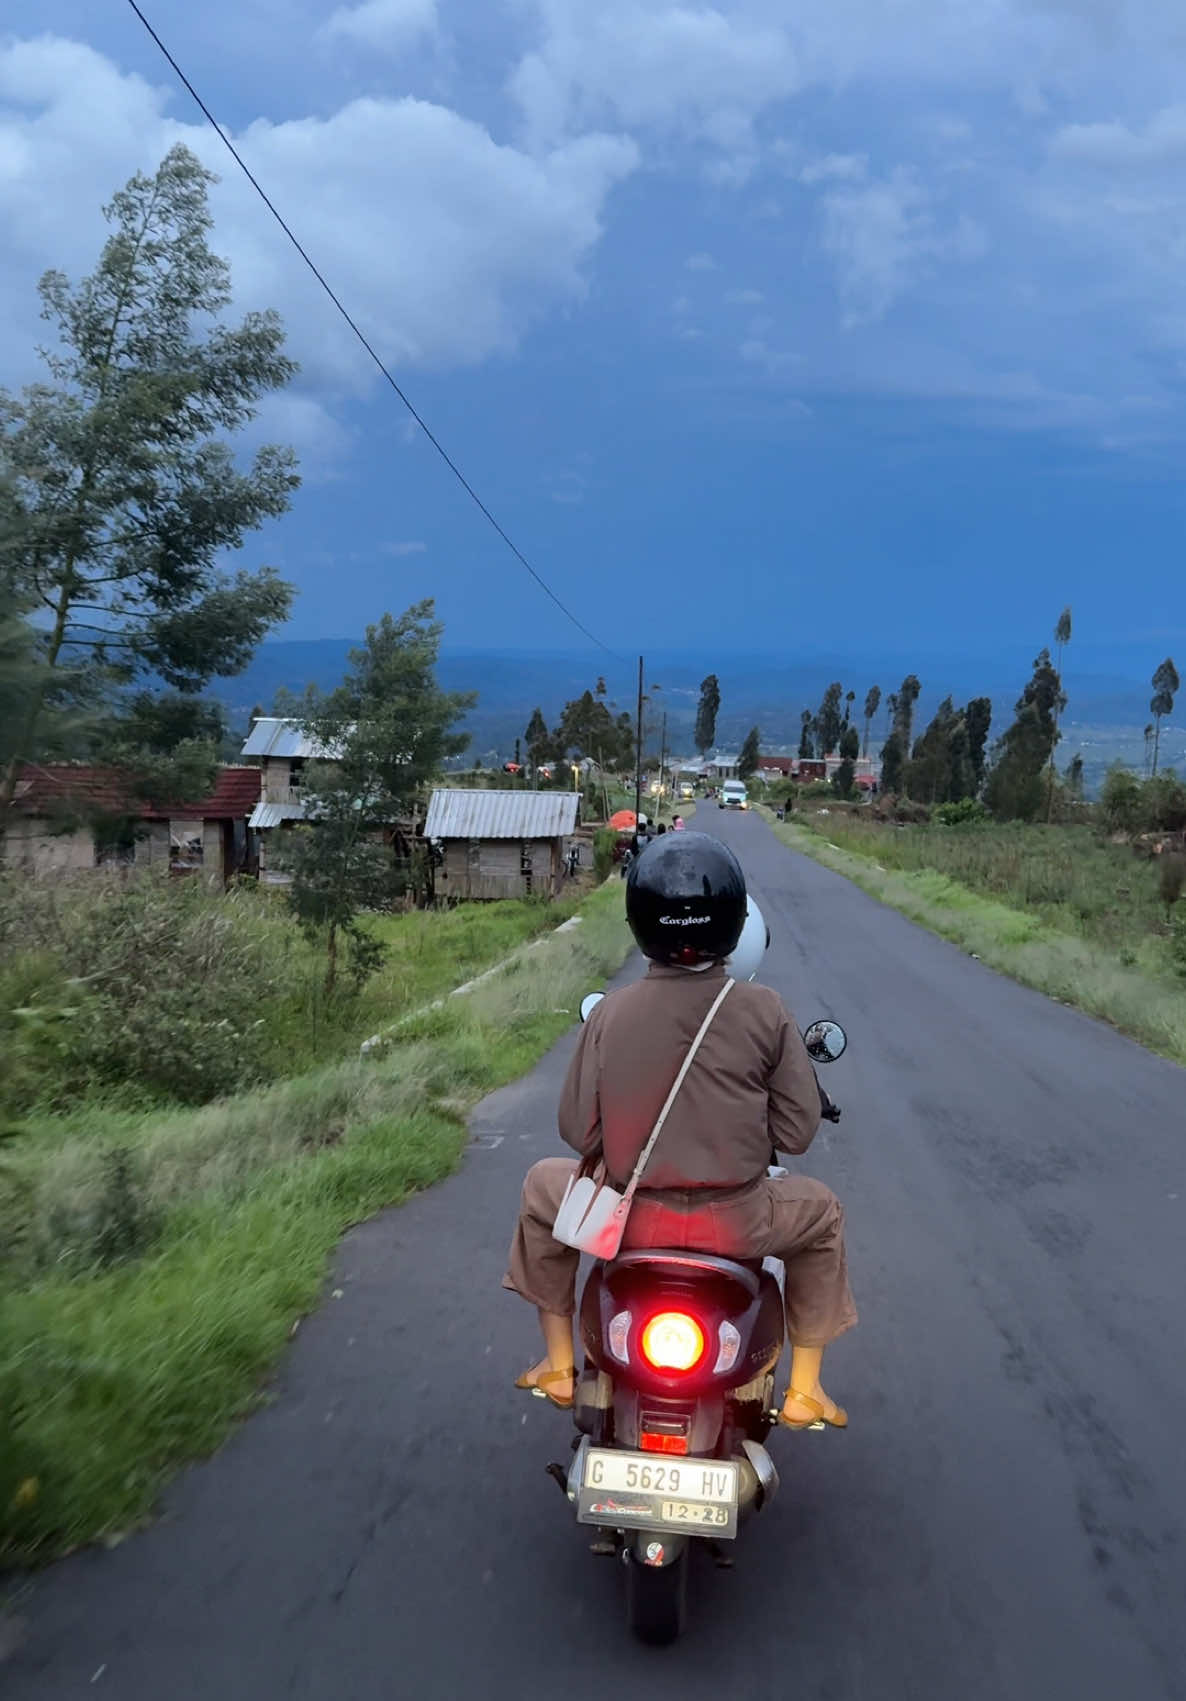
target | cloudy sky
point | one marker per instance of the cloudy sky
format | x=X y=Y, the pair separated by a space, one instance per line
x=869 y=324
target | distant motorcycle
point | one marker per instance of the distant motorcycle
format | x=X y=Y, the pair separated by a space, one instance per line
x=674 y=1404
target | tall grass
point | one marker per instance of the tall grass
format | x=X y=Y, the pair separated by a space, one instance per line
x=1063 y=947
x=1068 y=876
x=148 y=991
x=118 y=1364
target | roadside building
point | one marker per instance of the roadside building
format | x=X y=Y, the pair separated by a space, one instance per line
x=66 y=817
x=501 y=844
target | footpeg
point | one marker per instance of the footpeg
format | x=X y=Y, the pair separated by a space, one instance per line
x=559 y=1476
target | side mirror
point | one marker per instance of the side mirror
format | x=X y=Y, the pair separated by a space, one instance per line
x=825 y=1041
x=589 y=1003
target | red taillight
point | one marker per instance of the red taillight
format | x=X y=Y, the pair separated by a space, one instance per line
x=673 y=1340
x=652 y=1442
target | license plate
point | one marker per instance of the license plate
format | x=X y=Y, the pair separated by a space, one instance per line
x=637 y=1491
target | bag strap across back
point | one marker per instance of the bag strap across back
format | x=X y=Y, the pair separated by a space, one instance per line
x=645 y=1154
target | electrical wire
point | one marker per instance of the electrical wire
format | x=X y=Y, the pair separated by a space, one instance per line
x=321 y=279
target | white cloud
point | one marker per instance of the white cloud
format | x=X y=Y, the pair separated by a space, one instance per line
x=744 y=297
x=883 y=237
x=410 y=547
x=835 y=168
x=703 y=72
x=700 y=263
x=756 y=351
x=1162 y=141
x=386 y=25
x=444 y=244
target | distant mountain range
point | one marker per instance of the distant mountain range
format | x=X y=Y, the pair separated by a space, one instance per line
x=1107 y=697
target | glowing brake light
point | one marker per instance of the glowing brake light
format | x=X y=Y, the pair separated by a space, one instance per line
x=673 y=1341
x=652 y=1441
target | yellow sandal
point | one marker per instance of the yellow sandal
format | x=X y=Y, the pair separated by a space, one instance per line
x=820 y=1421
x=538 y=1387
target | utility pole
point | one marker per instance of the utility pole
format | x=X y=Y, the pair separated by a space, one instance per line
x=662 y=760
x=638 y=751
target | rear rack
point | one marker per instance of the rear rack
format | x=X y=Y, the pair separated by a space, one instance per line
x=694 y=1261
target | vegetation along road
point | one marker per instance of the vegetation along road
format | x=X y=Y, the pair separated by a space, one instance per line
x=1004 y=1517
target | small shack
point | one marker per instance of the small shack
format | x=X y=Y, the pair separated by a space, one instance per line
x=501 y=844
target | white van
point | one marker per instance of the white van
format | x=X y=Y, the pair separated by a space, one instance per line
x=734 y=795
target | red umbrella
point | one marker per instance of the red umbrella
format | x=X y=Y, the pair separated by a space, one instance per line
x=623 y=821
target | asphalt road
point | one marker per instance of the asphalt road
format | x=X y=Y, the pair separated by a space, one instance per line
x=1003 y=1521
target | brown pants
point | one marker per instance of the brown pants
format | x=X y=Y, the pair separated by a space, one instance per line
x=792 y=1218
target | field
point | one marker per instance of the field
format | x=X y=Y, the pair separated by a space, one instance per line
x=155 y=1256
x=1055 y=907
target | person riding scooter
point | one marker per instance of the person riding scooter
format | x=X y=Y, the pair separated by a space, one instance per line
x=706 y=1187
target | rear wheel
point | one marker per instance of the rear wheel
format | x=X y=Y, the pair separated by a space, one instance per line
x=657 y=1598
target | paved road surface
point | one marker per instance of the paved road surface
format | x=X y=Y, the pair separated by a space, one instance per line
x=1003 y=1522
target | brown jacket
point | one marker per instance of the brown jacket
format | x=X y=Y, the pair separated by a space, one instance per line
x=750 y=1087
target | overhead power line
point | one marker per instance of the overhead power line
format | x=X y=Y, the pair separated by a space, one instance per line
x=367 y=345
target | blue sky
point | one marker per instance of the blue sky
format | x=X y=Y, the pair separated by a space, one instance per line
x=865 y=327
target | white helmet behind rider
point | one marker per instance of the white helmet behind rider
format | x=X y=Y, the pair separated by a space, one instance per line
x=751 y=947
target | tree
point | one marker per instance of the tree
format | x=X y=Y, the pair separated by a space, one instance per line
x=1165 y=684
x=1148 y=749
x=929 y=775
x=806 y=741
x=872 y=704
x=119 y=492
x=1062 y=637
x=906 y=697
x=1014 y=790
x=706 y=714
x=850 y=698
x=537 y=739
x=893 y=762
x=382 y=734
x=842 y=779
x=829 y=721
x=1120 y=800
x=1074 y=777
x=747 y=761
x=850 y=744
x=897 y=747
x=978 y=719
x=587 y=727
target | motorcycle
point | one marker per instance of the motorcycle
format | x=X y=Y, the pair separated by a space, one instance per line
x=674 y=1404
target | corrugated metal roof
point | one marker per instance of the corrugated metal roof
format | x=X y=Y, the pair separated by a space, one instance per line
x=501 y=814
x=272 y=814
x=274 y=736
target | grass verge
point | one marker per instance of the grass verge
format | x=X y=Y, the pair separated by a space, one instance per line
x=188 y=1244
x=1136 y=996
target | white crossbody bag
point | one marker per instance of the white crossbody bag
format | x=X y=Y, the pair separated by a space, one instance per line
x=592 y=1215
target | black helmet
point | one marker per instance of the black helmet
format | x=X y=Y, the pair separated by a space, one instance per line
x=685 y=899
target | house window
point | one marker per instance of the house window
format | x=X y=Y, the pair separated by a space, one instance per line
x=296 y=771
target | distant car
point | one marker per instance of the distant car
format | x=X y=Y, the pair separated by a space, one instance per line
x=687 y=790
x=733 y=795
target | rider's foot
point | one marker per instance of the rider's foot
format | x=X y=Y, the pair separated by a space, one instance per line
x=798 y=1412
x=559 y=1385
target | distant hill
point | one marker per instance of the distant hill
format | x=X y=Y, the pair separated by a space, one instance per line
x=1107 y=708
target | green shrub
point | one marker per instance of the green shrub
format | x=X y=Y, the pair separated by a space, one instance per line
x=1178 y=942
x=604 y=841
x=142 y=985
x=962 y=814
